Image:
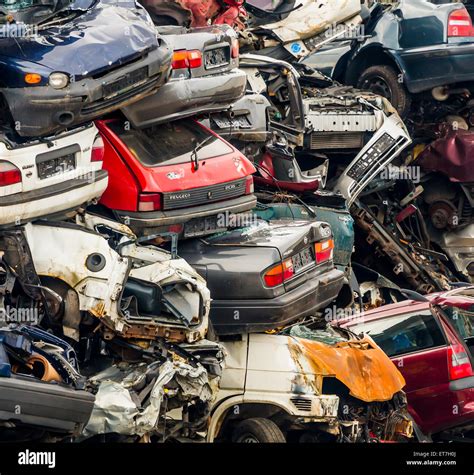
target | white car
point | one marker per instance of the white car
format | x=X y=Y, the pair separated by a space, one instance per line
x=51 y=176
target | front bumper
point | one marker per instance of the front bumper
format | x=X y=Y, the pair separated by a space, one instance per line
x=267 y=314
x=182 y=98
x=22 y=207
x=43 y=110
x=146 y=223
x=438 y=65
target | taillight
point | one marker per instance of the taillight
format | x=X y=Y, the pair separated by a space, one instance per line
x=323 y=250
x=249 y=188
x=149 y=201
x=186 y=59
x=98 y=150
x=234 y=52
x=279 y=273
x=460 y=24
x=458 y=362
x=9 y=174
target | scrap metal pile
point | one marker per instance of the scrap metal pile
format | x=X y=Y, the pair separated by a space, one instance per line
x=206 y=208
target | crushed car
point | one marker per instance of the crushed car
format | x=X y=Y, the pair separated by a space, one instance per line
x=430 y=340
x=136 y=315
x=320 y=133
x=177 y=177
x=44 y=91
x=204 y=76
x=50 y=178
x=418 y=54
x=266 y=274
x=309 y=384
x=43 y=395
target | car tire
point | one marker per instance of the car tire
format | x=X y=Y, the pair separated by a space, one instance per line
x=384 y=80
x=258 y=430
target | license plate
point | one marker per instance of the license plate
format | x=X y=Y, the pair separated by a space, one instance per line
x=202 y=226
x=125 y=83
x=303 y=259
x=241 y=122
x=56 y=166
x=216 y=57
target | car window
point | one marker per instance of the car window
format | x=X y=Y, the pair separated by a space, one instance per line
x=403 y=334
x=171 y=143
x=463 y=321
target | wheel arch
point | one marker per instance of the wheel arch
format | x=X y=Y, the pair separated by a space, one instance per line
x=222 y=417
x=373 y=55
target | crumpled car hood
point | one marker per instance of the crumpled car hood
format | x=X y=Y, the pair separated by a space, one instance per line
x=95 y=39
x=361 y=365
x=312 y=18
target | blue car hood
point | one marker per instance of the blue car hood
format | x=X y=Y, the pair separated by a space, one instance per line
x=100 y=35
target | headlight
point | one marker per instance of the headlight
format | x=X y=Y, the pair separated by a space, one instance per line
x=58 y=80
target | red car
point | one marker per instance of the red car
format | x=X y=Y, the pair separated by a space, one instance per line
x=176 y=177
x=432 y=344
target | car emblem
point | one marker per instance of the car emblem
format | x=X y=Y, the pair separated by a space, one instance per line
x=176 y=175
x=209 y=195
x=305 y=240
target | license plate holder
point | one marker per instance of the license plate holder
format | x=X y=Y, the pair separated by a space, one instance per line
x=202 y=226
x=56 y=166
x=241 y=122
x=215 y=58
x=303 y=259
x=125 y=83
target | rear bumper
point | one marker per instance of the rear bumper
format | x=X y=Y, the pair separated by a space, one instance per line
x=439 y=65
x=141 y=222
x=23 y=207
x=45 y=405
x=41 y=110
x=182 y=98
x=248 y=316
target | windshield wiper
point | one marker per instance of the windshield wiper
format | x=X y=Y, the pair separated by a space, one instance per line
x=199 y=146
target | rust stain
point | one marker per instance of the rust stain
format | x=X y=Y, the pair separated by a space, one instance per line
x=364 y=368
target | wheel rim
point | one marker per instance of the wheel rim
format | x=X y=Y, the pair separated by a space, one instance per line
x=248 y=439
x=379 y=86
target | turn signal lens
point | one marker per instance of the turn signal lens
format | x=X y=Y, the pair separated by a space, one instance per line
x=280 y=273
x=184 y=59
x=32 y=78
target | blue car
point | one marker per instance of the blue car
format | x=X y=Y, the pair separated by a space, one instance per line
x=66 y=62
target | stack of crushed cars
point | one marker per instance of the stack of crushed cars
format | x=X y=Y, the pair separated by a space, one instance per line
x=181 y=196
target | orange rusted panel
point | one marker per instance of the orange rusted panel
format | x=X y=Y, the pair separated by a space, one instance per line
x=361 y=365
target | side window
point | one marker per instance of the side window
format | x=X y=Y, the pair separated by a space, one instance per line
x=405 y=333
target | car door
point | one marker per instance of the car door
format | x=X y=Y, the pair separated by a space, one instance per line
x=417 y=345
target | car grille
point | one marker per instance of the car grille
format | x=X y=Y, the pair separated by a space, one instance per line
x=103 y=104
x=336 y=140
x=206 y=194
x=362 y=171
x=302 y=404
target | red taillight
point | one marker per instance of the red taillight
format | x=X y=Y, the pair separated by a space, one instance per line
x=9 y=174
x=149 y=201
x=460 y=24
x=459 y=362
x=249 y=188
x=234 y=52
x=98 y=150
x=324 y=250
x=279 y=273
x=184 y=59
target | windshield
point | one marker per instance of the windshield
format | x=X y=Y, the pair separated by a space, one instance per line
x=171 y=143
